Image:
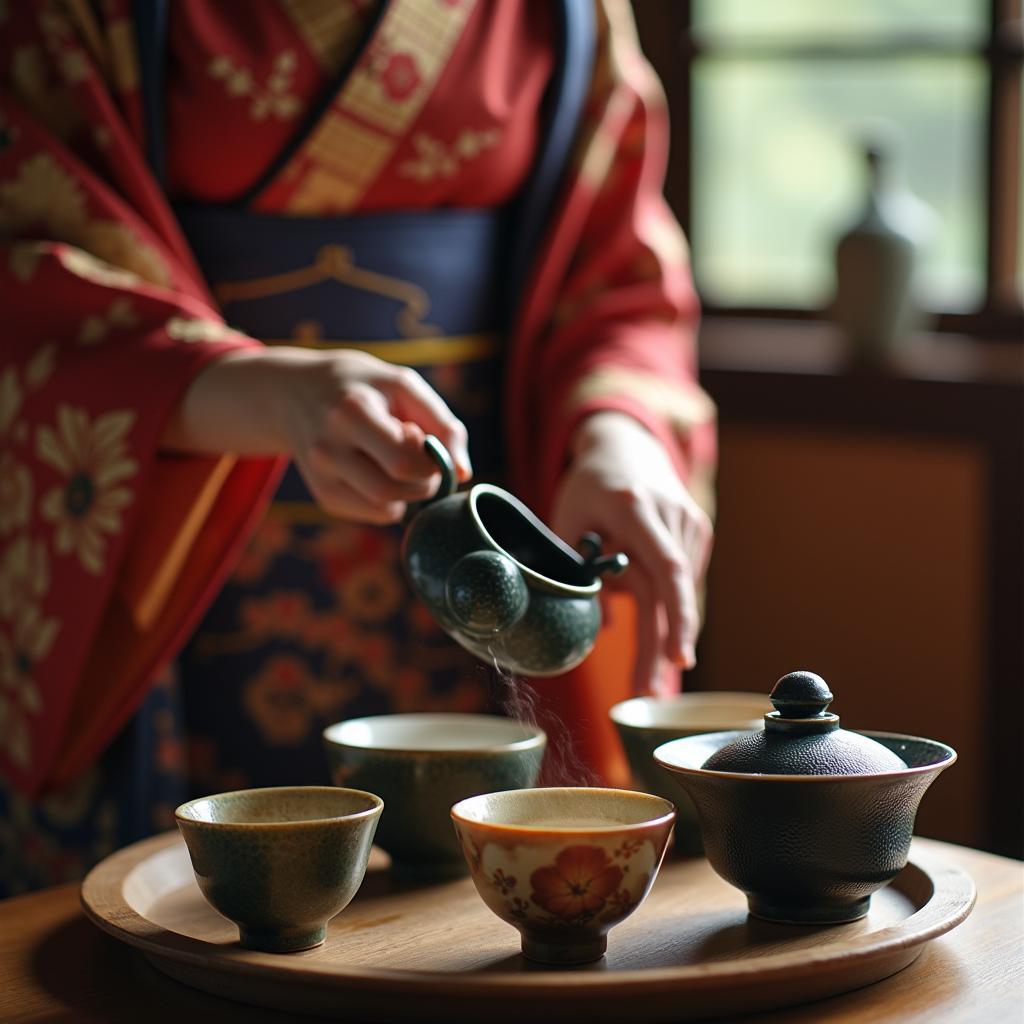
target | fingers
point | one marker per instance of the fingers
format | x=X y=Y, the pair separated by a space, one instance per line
x=661 y=555
x=659 y=551
x=360 y=418
x=566 y=521
x=696 y=535
x=355 y=427
x=412 y=398
x=668 y=680
x=693 y=531
x=366 y=478
x=650 y=630
x=338 y=498
x=690 y=622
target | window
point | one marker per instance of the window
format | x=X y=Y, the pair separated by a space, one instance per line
x=770 y=102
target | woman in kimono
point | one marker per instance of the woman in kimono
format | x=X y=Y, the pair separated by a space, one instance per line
x=436 y=216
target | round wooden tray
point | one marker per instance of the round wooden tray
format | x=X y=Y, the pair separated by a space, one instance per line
x=436 y=953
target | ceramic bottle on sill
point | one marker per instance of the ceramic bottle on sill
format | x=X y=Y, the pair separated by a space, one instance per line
x=875 y=264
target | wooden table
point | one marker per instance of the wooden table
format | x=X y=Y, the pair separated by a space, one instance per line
x=55 y=967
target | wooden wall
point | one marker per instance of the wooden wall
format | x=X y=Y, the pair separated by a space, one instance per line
x=871 y=529
x=863 y=560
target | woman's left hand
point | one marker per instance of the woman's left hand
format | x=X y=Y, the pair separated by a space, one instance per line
x=622 y=485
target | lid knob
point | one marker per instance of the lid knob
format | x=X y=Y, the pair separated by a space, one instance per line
x=800 y=700
x=801 y=695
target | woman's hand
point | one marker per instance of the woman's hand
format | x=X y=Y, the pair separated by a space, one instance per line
x=353 y=424
x=621 y=484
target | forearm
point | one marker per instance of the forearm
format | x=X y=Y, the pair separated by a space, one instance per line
x=605 y=427
x=232 y=405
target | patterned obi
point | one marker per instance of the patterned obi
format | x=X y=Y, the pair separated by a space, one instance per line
x=316 y=624
x=417 y=289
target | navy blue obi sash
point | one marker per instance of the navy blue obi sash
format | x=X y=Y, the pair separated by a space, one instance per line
x=417 y=289
x=376 y=276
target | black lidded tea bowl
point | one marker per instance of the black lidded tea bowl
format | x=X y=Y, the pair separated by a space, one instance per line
x=806 y=848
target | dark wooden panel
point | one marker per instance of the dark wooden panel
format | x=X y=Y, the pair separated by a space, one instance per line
x=790 y=377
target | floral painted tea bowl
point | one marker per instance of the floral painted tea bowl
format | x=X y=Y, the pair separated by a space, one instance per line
x=564 y=865
x=420 y=764
x=280 y=862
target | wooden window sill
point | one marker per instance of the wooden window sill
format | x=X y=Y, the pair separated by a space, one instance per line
x=816 y=348
x=797 y=373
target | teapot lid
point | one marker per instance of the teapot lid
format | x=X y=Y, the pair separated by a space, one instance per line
x=801 y=737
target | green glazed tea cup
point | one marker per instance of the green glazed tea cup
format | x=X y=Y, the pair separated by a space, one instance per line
x=280 y=862
x=644 y=723
x=423 y=763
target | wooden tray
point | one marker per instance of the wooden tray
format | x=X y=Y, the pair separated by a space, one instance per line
x=436 y=953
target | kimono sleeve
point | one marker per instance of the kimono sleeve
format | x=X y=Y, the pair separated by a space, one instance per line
x=611 y=316
x=110 y=548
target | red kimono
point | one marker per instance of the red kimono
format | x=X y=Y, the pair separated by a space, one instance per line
x=110 y=549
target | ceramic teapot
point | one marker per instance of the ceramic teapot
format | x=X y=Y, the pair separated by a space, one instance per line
x=501 y=583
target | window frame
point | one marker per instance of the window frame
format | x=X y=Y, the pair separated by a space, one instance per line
x=672 y=46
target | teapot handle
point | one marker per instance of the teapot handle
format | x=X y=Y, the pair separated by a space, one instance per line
x=449 y=478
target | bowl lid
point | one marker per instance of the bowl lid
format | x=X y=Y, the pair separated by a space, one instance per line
x=801 y=737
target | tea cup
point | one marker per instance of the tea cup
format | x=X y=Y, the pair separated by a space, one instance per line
x=564 y=865
x=282 y=861
x=421 y=764
x=644 y=723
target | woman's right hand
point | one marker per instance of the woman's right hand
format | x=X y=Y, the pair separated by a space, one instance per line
x=353 y=424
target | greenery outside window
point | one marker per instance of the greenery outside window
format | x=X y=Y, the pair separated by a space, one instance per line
x=769 y=100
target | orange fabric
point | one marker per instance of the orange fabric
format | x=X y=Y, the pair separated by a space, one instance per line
x=585 y=695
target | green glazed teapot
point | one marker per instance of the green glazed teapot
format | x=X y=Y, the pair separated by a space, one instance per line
x=499 y=582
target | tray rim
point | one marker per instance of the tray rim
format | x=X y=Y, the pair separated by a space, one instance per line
x=952 y=898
